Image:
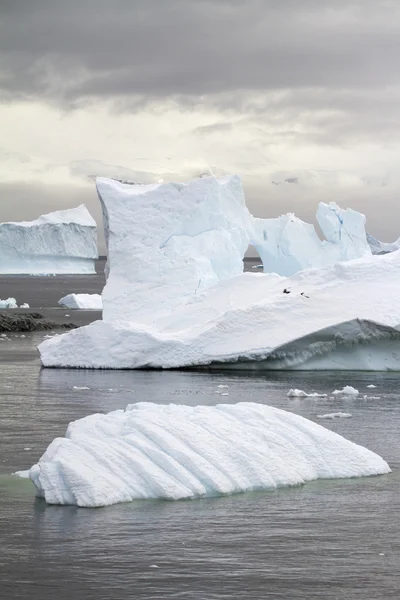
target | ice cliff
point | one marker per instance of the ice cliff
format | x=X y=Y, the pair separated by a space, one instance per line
x=176 y=295
x=59 y=242
x=175 y=452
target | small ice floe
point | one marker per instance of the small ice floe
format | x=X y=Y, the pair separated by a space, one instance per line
x=225 y=394
x=371 y=386
x=374 y=397
x=27 y=448
x=348 y=390
x=80 y=387
x=301 y=394
x=24 y=305
x=335 y=415
x=22 y=474
x=66 y=315
x=381 y=554
x=221 y=385
x=22 y=336
x=154 y=567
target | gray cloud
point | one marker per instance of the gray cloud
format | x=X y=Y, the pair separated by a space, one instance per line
x=157 y=48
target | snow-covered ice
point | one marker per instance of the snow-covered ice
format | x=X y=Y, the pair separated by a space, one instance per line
x=58 y=242
x=348 y=390
x=175 y=452
x=335 y=415
x=85 y=301
x=371 y=385
x=176 y=294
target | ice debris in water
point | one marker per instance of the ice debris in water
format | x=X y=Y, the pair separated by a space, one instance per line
x=80 y=387
x=335 y=415
x=348 y=390
x=221 y=385
x=301 y=394
x=175 y=451
x=12 y=303
x=371 y=386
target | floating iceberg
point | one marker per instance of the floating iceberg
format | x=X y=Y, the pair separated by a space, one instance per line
x=175 y=452
x=12 y=303
x=59 y=242
x=176 y=294
x=86 y=301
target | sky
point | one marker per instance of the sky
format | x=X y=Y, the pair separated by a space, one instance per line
x=300 y=98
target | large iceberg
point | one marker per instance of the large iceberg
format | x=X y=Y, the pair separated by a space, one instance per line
x=59 y=242
x=176 y=295
x=175 y=452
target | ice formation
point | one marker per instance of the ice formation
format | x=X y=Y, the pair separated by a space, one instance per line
x=175 y=452
x=12 y=303
x=378 y=247
x=287 y=244
x=176 y=295
x=86 y=301
x=59 y=242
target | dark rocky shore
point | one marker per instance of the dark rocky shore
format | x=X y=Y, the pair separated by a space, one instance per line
x=11 y=321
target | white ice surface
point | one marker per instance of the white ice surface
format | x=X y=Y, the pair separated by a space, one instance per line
x=86 y=301
x=59 y=242
x=176 y=295
x=175 y=452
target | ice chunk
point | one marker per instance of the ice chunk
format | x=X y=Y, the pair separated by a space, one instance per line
x=174 y=452
x=59 y=242
x=335 y=415
x=12 y=303
x=348 y=390
x=9 y=303
x=80 y=387
x=371 y=385
x=86 y=301
x=301 y=394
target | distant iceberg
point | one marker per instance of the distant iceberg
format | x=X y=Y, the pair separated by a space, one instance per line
x=84 y=301
x=178 y=452
x=176 y=294
x=59 y=242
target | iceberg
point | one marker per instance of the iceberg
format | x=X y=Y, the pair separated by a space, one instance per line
x=12 y=303
x=176 y=295
x=85 y=301
x=176 y=452
x=58 y=242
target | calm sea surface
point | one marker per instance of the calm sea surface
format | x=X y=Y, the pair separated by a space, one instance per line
x=329 y=539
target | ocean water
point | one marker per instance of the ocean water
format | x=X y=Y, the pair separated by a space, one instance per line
x=328 y=539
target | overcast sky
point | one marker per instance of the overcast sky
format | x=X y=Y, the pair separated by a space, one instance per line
x=300 y=97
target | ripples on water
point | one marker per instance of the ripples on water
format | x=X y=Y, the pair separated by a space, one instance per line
x=327 y=539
